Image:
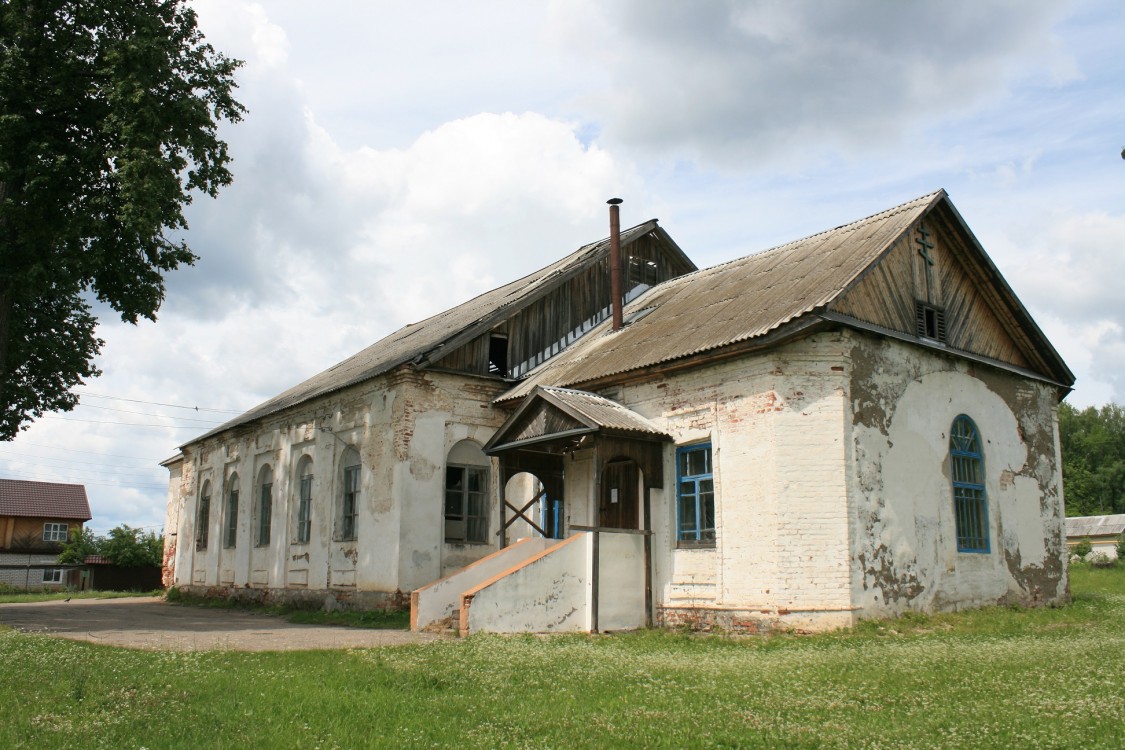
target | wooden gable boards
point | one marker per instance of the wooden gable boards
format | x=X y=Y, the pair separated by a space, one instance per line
x=937 y=265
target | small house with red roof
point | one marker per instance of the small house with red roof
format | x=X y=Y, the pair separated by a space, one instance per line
x=36 y=519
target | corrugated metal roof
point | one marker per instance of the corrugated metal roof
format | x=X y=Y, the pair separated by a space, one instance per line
x=598 y=411
x=419 y=339
x=1084 y=526
x=43 y=500
x=732 y=302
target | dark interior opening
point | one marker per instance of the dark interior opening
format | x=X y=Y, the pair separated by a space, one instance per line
x=498 y=355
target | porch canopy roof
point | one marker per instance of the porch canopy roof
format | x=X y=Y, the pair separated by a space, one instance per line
x=559 y=418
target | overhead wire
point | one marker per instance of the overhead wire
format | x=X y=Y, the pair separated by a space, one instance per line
x=157 y=403
x=128 y=424
x=95 y=453
x=150 y=414
x=54 y=478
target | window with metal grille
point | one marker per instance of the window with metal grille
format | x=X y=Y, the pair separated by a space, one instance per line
x=265 y=506
x=695 y=496
x=970 y=503
x=54 y=532
x=304 y=506
x=930 y=321
x=203 y=517
x=230 y=538
x=466 y=504
x=349 y=504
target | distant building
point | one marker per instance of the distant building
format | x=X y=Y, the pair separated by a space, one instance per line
x=36 y=519
x=1103 y=532
x=856 y=424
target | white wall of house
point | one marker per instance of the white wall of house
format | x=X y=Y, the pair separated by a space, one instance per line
x=833 y=494
x=831 y=466
x=402 y=426
x=776 y=425
x=904 y=532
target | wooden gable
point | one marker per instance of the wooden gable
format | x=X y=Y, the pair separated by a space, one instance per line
x=935 y=284
x=542 y=420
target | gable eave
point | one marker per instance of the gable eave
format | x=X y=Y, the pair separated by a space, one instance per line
x=1044 y=351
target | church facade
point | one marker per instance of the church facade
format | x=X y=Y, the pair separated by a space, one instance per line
x=856 y=424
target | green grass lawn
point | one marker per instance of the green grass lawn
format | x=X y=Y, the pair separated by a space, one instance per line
x=18 y=597
x=997 y=678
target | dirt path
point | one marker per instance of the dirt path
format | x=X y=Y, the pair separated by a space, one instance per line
x=151 y=623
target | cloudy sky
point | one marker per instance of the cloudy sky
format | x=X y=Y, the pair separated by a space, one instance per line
x=399 y=158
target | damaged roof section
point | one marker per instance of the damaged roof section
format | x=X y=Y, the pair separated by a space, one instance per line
x=459 y=338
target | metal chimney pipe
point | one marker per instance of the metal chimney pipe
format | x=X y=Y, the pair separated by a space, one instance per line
x=615 y=262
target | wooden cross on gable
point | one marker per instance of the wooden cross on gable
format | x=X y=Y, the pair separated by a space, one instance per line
x=925 y=245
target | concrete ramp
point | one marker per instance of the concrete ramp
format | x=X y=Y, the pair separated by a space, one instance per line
x=595 y=580
x=439 y=600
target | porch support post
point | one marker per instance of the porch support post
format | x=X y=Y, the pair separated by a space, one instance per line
x=595 y=574
x=503 y=531
x=648 y=557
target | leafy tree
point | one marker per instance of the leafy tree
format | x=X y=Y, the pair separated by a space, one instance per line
x=108 y=125
x=82 y=542
x=1093 y=456
x=130 y=548
x=124 y=546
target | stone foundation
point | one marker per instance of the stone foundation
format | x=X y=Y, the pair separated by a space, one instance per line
x=752 y=621
x=304 y=598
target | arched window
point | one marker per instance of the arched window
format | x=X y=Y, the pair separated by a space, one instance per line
x=263 y=515
x=230 y=527
x=347 y=520
x=303 y=522
x=203 y=516
x=970 y=503
x=466 y=494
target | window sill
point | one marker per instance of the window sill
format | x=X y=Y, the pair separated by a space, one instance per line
x=694 y=545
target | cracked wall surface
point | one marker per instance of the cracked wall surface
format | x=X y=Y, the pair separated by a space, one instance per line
x=402 y=426
x=903 y=401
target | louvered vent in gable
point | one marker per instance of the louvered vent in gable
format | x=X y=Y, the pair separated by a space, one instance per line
x=930 y=321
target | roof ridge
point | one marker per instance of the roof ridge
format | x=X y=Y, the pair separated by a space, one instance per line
x=778 y=248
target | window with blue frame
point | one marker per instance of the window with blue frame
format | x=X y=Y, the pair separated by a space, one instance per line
x=970 y=503
x=695 y=496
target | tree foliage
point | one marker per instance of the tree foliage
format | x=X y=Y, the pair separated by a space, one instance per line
x=124 y=546
x=108 y=125
x=1093 y=456
x=79 y=546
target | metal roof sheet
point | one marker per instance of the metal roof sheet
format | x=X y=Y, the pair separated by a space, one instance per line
x=600 y=412
x=731 y=302
x=417 y=339
x=1083 y=526
x=19 y=497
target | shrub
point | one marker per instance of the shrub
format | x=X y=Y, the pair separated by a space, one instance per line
x=1101 y=560
x=1121 y=547
x=1083 y=548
